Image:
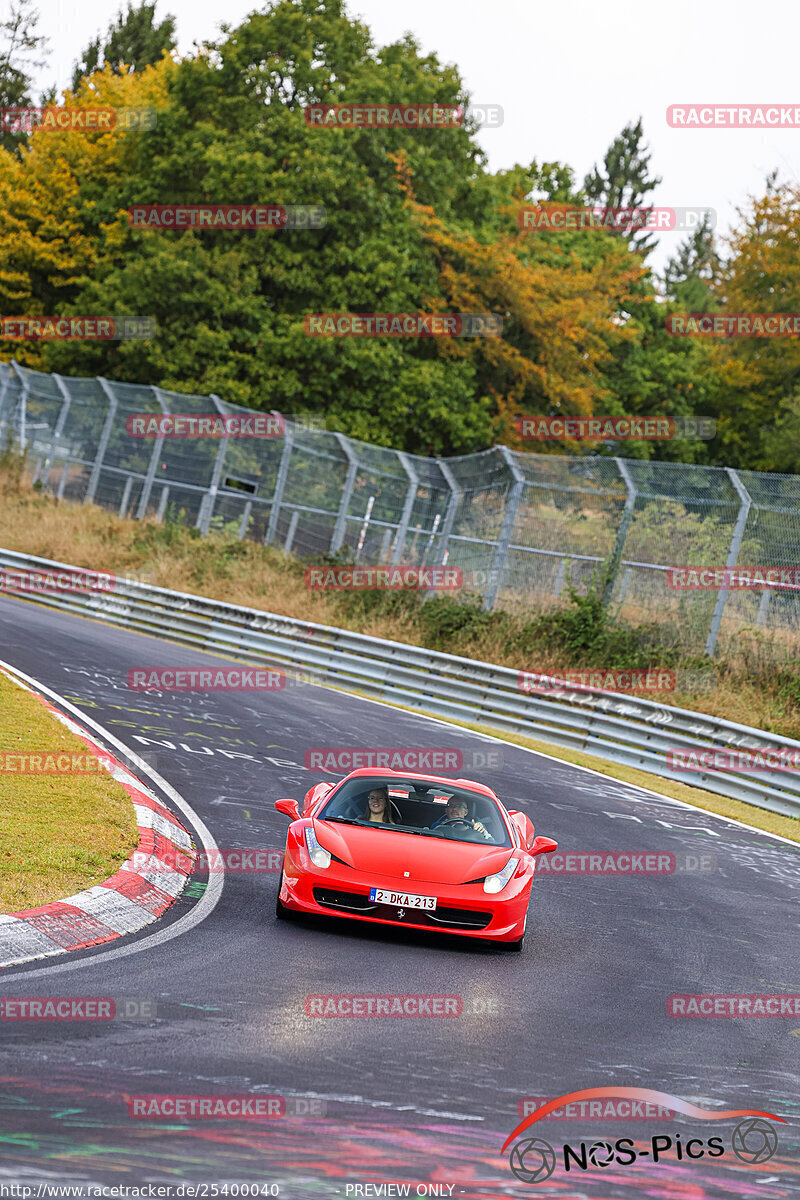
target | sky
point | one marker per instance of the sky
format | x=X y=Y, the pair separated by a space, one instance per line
x=569 y=75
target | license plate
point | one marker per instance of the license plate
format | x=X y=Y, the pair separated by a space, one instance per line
x=402 y=899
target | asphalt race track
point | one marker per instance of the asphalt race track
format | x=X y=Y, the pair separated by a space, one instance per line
x=387 y=1100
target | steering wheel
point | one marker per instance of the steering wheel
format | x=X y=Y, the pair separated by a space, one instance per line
x=463 y=821
x=455 y=821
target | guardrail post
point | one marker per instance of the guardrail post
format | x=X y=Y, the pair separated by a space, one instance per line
x=162 y=502
x=245 y=521
x=450 y=515
x=745 y=501
x=58 y=428
x=365 y=527
x=287 y=545
x=280 y=482
x=126 y=495
x=206 y=509
x=501 y=548
x=147 y=486
x=340 y=527
x=431 y=537
x=23 y=399
x=622 y=532
x=411 y=495
x=3 y=394
x=62 y=483
x=102 y=445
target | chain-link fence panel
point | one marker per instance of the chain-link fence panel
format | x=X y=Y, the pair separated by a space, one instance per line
x=520 y=527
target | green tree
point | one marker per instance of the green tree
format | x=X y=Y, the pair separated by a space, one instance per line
x=693 y=275
x=624 y=181
x=133 y=41
x=21 y=49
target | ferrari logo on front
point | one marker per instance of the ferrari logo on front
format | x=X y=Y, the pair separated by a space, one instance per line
x=401 y=912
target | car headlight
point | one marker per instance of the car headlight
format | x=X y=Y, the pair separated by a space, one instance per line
x=318 y=854
x=496 y=883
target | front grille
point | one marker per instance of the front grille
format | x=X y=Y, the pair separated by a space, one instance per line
x=440 y=918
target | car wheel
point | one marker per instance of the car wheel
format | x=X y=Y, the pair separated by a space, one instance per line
x=516 y=946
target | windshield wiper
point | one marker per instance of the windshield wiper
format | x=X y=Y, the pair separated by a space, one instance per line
x=343 y=820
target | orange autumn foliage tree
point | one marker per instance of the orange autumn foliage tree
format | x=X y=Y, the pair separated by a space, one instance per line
x=62 y=207
x=560 y=312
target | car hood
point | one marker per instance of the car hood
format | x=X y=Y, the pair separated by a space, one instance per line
x=409 y=857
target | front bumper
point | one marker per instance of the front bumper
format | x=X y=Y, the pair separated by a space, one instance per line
x=463 y=909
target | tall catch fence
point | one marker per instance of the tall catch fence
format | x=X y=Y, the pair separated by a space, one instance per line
x=520 y=526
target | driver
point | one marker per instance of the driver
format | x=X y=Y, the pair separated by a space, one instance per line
x=457 y=810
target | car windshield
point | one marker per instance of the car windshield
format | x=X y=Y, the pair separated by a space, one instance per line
x=417 y=806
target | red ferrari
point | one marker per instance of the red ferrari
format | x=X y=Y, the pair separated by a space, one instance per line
x=421 y=851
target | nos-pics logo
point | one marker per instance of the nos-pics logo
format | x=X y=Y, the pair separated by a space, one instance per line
x=533 y=1159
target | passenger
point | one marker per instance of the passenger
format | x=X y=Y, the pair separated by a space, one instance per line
x=457 y=810
x=378 y=807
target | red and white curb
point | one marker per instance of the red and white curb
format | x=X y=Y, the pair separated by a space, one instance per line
x=136 y=895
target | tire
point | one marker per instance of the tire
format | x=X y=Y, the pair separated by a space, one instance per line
x=516 y=947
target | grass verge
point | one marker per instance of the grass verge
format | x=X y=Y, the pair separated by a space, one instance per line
x=59 y=834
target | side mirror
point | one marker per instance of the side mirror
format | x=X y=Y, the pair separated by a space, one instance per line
x=288 y=808
x=540 y=845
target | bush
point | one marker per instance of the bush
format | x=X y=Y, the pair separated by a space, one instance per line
x=587 y=633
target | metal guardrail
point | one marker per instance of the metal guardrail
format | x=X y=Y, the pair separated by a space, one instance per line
x=611 y=726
